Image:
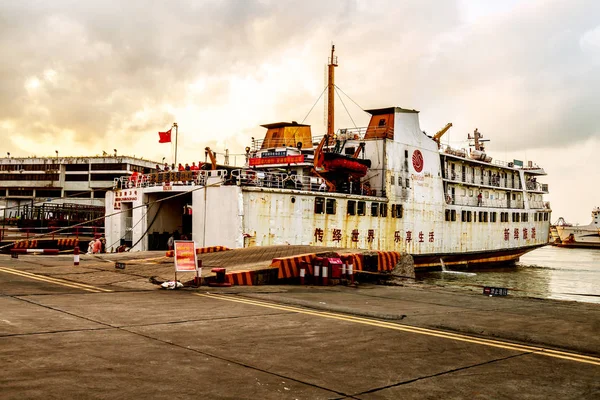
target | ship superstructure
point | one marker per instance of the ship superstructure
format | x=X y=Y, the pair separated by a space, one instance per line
x=580 y=235
x=388 y=186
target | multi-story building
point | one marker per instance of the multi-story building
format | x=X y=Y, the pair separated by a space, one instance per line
x=26 y=181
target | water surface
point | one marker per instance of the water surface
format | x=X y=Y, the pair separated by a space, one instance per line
x=548 y=272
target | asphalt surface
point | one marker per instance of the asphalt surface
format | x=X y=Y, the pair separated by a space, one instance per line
x=112 y=335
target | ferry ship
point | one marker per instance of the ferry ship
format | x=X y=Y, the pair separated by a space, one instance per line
x=388 y=186
x=587 y=236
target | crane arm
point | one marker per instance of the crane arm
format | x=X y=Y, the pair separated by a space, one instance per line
x=361 y=147
x=441 y=132
x=318 y=157
x=213 y=160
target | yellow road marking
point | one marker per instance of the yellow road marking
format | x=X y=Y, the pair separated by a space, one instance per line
x=57 y=281
x=412 y=329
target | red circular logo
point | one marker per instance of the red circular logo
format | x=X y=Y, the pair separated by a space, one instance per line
x=417 y=160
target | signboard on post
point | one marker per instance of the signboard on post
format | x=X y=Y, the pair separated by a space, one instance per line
x=185 y=256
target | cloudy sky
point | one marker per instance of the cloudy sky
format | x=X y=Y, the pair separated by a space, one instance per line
x=83 y=77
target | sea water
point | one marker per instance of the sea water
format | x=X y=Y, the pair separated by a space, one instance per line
x=548 y=272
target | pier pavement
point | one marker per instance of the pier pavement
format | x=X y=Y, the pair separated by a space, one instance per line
x=94 y=332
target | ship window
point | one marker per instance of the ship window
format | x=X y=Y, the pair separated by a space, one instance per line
x=447 y=215
x=381 y=122
x=546 y=215
x=383 y=210
x=474 y=216
x=492 y=217
x=453 y=215
x=524 y=217
x=535 y=217
x=360 y=209
x=407 y=183
x=319 y=205
x=374 y=209
x=469 y=218
x=392 y=180
x=405 y=153
x=480 y=216
x=470 y=193
x=516 y=217
x=330 y=206
x=486 y=194
x=485 y=216
x=463 y=216
x=351 y=207
x=397 y=211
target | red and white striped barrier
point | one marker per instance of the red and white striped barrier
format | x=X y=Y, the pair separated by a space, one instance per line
x=53 y=252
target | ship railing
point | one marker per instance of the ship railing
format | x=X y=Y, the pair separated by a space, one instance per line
x=477 y=179
x=341 y=134
x=246 y=177
x=536 y=187
x=537 y=204
x=472 y=201
x=174 y=178
x=309 y=183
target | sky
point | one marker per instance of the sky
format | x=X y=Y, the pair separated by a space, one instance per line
x=83 y=77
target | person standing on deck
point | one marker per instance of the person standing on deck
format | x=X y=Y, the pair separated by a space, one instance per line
x=479 y=199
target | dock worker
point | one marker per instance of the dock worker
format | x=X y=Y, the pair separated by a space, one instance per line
x=479 y=199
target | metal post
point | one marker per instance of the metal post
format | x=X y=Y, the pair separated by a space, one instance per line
x=176 y=134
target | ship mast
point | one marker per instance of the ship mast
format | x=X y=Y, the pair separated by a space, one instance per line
x=330 y=92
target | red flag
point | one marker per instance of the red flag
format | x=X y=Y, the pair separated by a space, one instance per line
x=164 y=137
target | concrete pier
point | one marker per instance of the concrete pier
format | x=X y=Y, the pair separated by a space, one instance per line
x=94 y=331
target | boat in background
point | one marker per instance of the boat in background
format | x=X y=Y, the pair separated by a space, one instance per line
x=587 y=236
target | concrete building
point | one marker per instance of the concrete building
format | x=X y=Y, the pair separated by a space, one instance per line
x=74 y=180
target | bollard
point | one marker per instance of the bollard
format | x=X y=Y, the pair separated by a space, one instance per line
x=76 y=255
x=317 y=273
x=351 y=274
x=302 y=273
x=325 y=273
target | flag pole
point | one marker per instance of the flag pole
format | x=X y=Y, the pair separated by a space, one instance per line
x=176 y=132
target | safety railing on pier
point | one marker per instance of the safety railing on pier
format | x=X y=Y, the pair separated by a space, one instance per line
x=49 y=232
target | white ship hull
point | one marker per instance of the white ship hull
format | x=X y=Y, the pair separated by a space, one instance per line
x=581 y=236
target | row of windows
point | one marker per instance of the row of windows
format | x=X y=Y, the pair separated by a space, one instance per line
x=28 y=177
x=354 y=207
x=485 y=216
x=393 y=181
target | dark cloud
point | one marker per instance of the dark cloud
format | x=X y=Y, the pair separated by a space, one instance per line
x=120 y=68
